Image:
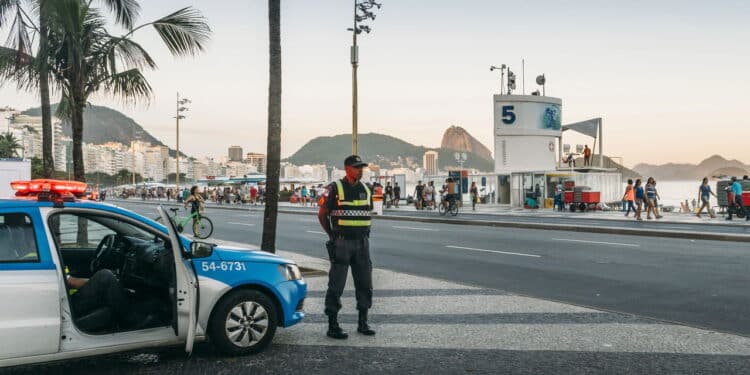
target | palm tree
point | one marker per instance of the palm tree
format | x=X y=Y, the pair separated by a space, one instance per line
x=125 y=12
x=87 y=59
x=9 y=146
x=273 y=158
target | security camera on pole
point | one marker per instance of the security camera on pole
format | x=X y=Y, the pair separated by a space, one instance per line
x=362 y=11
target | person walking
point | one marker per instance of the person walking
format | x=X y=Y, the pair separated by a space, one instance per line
x=474 y=192
x=428 y=196
x=704 y=194
x=388 y=194
x=559 y=198
x=418 y=195
x=303 y=195
x=640 y=195
x=345 y=216
x=586 y=156
x=396 y=194
x=736 y=189
x=629 y=198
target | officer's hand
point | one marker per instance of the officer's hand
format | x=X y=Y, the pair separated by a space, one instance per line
x=331 y=248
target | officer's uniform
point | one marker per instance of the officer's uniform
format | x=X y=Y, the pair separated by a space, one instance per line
x=349 y=208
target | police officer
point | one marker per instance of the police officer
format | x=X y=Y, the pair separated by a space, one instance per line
x=345 y=215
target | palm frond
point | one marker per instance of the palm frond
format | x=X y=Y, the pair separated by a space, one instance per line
x=185 y=32
x=18 y=67
x=6 y=8
x=18 y=37
x=129 y=86
x=126 y=11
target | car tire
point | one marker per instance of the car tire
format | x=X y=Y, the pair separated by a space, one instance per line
x=236 y=323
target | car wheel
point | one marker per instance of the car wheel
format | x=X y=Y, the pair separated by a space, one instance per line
x=244 y=322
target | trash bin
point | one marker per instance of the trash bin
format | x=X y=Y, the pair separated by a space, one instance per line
x=377 y=204
x=549 y=202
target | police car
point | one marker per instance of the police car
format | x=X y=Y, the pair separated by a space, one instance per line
x=81 y=278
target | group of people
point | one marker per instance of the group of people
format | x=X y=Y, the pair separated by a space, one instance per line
x=637 y=197
x=304 y=195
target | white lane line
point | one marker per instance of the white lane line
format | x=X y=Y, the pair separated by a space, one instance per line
x=495 y=251
x=598 y=242
x=415 y=228
x=245 y=224
x=316 y=232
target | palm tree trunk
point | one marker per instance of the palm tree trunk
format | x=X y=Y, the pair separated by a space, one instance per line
x=48 y=160
x=76 y=120
x=273 y=158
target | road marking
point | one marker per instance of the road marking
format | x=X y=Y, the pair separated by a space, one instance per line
x=495 y=251
x=415 y=228
x=245 y=224
x=315 y=232
x=598 y=242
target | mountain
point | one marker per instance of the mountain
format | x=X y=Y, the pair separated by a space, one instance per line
x=456 y=138
x=380 y=149
x=712 y=166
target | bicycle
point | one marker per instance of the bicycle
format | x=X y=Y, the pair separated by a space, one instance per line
x=203 y=227
x=448 y=205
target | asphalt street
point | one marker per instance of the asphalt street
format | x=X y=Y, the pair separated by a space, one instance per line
x=692 y=282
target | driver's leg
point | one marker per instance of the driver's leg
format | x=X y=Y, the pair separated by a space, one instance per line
x=102 y=290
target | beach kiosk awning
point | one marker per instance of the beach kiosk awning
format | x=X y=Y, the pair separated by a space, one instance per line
x=591 y=128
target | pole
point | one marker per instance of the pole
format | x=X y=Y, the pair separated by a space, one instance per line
x=601 y=144
x=177 y=118
x=355 y=58
x=523 y=76
x=502 y=80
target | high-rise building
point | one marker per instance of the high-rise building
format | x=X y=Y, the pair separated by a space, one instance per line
x=235 y=153
x=256 y=159
x=430 y=162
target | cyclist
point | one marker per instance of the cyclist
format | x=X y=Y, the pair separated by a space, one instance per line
x=195 y=199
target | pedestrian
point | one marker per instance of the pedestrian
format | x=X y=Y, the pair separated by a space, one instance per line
x=388 y=194
x=704 y=194
x=303 y=195
x=253 y=194
x=629 y=198
x=559 y=198
x=640 y=195
x=396 y=194
x=428 y=196
x=736 y=189
x=650 y=198
x=586 y=156
x=474 y=193
x=418 y=195
x=657 y=198
x=345 y=216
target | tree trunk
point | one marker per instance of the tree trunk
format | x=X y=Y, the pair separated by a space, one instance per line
x=76 y=119
x=273 y=158
x=48 y=160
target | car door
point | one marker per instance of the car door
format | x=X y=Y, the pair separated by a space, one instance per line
x=184 y=296
x=29 y=287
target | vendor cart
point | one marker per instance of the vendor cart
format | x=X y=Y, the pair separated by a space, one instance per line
x=582 y=199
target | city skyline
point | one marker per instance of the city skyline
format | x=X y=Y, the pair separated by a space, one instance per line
x=653 y=76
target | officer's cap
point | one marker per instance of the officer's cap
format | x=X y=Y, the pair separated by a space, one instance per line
x=354 y=161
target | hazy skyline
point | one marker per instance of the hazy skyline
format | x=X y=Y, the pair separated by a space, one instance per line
x=668 y=77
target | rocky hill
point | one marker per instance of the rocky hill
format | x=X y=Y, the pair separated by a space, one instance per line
x=103 y=124
x=706 y=168
x=383 y=150
x=456 y=138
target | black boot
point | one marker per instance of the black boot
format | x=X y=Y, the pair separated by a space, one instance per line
x=362 y=326
x=334 y=331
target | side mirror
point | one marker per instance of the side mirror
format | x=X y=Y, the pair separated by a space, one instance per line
x=201 y=249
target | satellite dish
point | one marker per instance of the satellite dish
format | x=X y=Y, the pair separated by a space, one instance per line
x=457 y=155
x=540 y=80
x=463 y=156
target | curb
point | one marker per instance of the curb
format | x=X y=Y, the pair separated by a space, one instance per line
x=692 y=235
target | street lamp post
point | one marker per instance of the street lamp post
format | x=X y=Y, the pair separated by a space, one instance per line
x=180 y=108
x=361 y=13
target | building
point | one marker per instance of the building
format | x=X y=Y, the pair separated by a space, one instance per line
x=258 y=160
x=430 y=162
x=28 y=130
x=235 y=153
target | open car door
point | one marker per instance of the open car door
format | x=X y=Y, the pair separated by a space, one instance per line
x=184 y=289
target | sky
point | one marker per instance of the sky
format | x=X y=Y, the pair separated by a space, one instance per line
x=669 y=78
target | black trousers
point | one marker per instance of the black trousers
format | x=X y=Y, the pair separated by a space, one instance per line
x=354 y=253
x=738 y=206
x=102 y=290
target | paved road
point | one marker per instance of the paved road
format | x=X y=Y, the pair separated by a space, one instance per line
x=699 y=283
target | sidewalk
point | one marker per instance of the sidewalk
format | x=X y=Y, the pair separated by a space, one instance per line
x=427 y=325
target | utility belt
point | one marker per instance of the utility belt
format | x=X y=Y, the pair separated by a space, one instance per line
x=352 y=235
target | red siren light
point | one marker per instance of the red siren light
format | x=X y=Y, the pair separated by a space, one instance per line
x=57 y=187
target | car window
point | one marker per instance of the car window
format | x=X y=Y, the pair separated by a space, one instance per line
x=17 y=239
x=82 y=231
x=78 y=231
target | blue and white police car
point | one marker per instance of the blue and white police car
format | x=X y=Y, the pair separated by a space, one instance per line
x=81 y=278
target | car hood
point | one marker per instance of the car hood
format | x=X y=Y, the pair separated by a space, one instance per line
x=238 y=254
